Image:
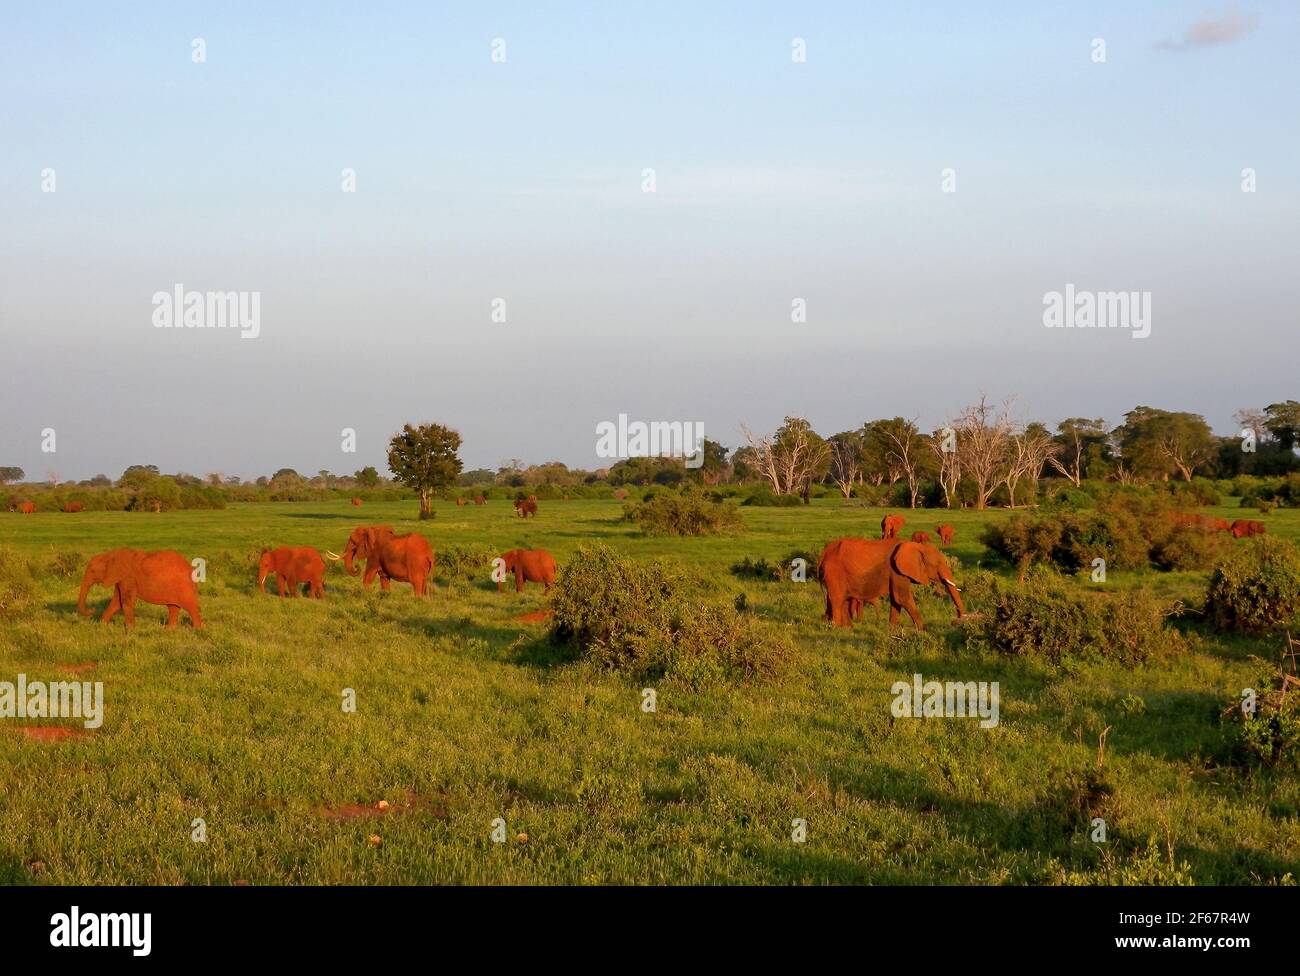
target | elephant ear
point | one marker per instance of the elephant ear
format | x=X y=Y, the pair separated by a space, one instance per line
x=909 y=560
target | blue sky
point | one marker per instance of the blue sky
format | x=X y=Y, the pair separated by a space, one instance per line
x=775 y=180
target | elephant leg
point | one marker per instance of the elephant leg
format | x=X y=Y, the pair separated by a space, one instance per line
x=519 y=581
x=173 y=614
x=910 y=606
x=193 y=610
x=128 y=608
x=279 y=584
x=893 y=614
x=114 y=605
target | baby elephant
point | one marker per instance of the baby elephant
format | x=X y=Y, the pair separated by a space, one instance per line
x=945 y=534
x=920 y=536
x=293 y=566
x=529 y=566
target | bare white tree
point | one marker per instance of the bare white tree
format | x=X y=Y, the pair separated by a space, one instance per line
x=983 y=439
x=1030 y=449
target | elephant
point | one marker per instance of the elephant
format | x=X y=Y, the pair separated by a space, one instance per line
x=890 y=526
x=920 y=536
x=164 y=577
x=855 y=571
x=480 y=500
x=1247 y=527
x=526 y=508
x=946 y=533
x=460 y=502
x=529 y=566
x=405 y=558
x=74 y=506
x=293 y=566
x=27 y=508
x=356 y=503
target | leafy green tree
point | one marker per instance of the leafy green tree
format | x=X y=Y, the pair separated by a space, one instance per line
x=425 y=458
x=1161 y=443
x=714 y=469
x=1283 y=422
x=367 y=477
x=1082 y=442
x=8 y=474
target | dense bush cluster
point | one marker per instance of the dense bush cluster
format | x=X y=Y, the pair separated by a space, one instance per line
x=1268 y=733
x=1256 y=588
x=683 y=514
x=1052 y=617
x=637 y=618
x=1127 y=531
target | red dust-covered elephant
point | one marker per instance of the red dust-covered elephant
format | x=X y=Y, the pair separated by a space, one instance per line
x=526 y=507
x=920 y=536
x=293 y=566
x=946 y=533
x=356 y=503
x=164 y=577
x=405 y=558
x=529 y=566
x=854 y=571
x=1247 y=527
x=74 y=506
x=890 y=526
x=27 y=508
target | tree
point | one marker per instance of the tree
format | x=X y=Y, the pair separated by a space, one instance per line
x=426 y=459
x=1030 y=450
x=792 y=458
x=367 y=477
x=1160 y=443
x=1075 y=439
x=903 y=450
x=983 y=440
x=8 y=474
x=1283 y=422
x=943 y=444
x=714 y=468
x=847 y=457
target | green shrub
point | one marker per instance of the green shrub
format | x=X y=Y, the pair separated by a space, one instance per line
x=67 y=564
x=765 y=497
x=1257 y=588
x=668 y=514
x=462 y=562
x=1269 y=736
x=17 y=588
x=1191 y=547
x=1051 y=617
x=636 y=618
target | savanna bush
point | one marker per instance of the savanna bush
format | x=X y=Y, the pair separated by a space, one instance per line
x=764 y=497
x=1270 y=735
x=1191 y=547
x=17 y=588
x=693 y=514
x=462 y=562
x=1256 y=588
x=638 y=619
x=1055 y=618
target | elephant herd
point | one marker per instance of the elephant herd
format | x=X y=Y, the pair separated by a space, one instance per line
x=166 y=578
x=854 y=571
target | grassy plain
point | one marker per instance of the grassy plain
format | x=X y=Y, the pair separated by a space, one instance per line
x=466 y=713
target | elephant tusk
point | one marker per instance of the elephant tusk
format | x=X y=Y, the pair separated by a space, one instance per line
x=332 y=555
x=952 y=584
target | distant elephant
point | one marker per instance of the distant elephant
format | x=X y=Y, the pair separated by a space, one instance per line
x=460 y=502
x=529 y=566
x=946 y=533
x=920 y=536
x=1221 y=525
x=356 y=503
x=405 y=558
x=1247 y=527
x=27 y=508
x=74 y=506
x=164 y=577
x=890 y=526
x=526 y=508
x=480 y=500
x=293 y=567
x=854 y=571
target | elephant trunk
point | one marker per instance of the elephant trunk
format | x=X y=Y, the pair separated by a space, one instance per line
x=955 y=593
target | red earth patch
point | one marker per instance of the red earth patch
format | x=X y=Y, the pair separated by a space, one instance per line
x=537 y=616
x=380 y=808
x=78 y=668
x=51 y=733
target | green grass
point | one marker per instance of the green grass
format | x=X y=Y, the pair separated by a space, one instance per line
x=466 y=714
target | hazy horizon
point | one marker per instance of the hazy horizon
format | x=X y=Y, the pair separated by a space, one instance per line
x=775 y=180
